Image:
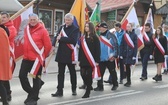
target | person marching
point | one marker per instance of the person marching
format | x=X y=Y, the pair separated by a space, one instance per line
x=147 y=51
x=5 y=69
x=37 y=46
x=66 y=54
x=108 y=46
x=160 y=50
x=89 y=52
x=128 y=51
x=12 y=33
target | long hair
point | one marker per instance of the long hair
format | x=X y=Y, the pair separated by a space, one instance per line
x=161 y=32
x=91 y=30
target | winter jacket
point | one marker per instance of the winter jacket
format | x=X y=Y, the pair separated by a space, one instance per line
x=119 y=35
x=64 y=53
x=148 y=46
x=41 y=38
x=12 y=32
x=126 y=51
x=94 y=47
x=106 y=53
x=5 y=71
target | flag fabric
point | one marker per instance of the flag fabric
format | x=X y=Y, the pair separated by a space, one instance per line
x=132 y=18
x=20 y=24
x=95 y=17
x=149 y=19
x=80 y=12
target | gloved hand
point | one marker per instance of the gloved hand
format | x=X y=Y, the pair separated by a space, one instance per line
x=151 y=56
x=133 y=58
x=121 y=57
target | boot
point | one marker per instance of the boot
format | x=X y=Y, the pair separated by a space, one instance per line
x=159 y=78
x=87 y=94
x=155 y=77
x=59 y=93
x=128 y=84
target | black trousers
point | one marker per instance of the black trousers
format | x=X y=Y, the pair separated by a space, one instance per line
x=111 y=68
x=3 y=92
x=128 y=72
x=61 y=72
x=33 y=91
x=7 y=87
x=86 y=73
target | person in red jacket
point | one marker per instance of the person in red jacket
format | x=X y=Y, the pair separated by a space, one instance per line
x=37 y=46
x=12 y=33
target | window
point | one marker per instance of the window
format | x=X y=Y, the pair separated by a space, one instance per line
x=59 y=19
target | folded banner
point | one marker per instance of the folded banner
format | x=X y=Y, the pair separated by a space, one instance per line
x=40 y=59
x=159 y=46
x=72 y=47
x=105 y=41
x=96 y=70
x=128 y=40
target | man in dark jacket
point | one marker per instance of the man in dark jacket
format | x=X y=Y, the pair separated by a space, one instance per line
x=67 y=39
x=146 y=51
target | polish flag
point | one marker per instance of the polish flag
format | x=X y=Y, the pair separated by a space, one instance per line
x=149 y=19
x=132 y=18
x=20 y=24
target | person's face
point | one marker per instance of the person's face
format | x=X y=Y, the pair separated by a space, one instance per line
x=33 y=20
x=129 y=28
x=158 y=31
x=117 y=29
x=4 y=19
x=101 y=29
x=87 y=27
x=147 y=29
x=68 y=21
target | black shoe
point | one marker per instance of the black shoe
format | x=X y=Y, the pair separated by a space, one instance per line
x=114 y=88
x=57 y=94
x=128 y=84
x=86 y=95
x=155 y=77
x=74 y=92
x=121 y=82
x=143 y=78
x=110 y=82
x=27 y=99
x=158 y=78
x=31 y=102
x=82 y=87
x=98 y=89
x=42 y=83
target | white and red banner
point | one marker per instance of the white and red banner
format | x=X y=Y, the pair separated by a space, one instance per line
x=20 y=24
x=132 y=18
x=96 y=70
x=72 y=47
x=149 y=19
x=159 y=46
x=128 y=40
x=40 y=59
x=105 y=41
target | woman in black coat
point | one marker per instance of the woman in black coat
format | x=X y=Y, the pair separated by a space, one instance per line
x=158 y=55
x=128 y=53
x=93 y=44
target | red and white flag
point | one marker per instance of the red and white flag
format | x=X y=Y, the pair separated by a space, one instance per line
x=132 y=18
x=20 y=24
x=149 y=19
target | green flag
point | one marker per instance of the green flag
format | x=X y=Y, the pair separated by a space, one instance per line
x=95 y=17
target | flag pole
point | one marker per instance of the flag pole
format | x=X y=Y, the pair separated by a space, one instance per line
x=132 y=5
x=22 y=10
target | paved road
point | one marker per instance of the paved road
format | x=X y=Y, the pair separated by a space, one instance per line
x=140 y=93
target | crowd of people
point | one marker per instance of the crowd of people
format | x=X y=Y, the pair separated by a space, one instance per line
x=96 y=53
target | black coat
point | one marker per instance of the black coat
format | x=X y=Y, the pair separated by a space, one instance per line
x=94 y=47
x=158 y=56
x=64 y=53
x=126 y=51
x=148 y=46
